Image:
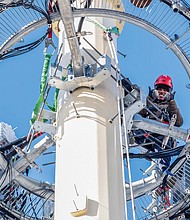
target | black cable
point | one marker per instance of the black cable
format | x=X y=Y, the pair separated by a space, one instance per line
x=176 y=162
x=4 y=7
x=26 y=48
x=36 y=200
x=22 y=49
x=10 y=215
x=180 y=12
x=27 y=205
x=180 y=211
x=10 y=145
x=21 y=146
x=87 y=5
x=44 y=193
x=34 y=211
x=173 y=165
x=28 y=5
x=30 y=207
x=46 y=6
x=160 y=154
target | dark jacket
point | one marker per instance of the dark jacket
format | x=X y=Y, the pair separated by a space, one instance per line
x=164 y=110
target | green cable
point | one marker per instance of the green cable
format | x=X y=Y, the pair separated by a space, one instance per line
x=42 y=88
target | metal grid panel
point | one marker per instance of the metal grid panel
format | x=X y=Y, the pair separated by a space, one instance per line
x=17 y=202
x=169 y=198
x=158 y=14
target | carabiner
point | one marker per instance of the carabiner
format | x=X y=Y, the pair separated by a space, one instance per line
x=49 y=42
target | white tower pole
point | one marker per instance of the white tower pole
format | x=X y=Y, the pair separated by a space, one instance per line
x=89 y=181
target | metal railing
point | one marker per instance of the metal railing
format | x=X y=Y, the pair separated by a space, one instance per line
x=18 y=19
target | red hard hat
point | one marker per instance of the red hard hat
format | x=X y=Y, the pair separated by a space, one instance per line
x=164 y=80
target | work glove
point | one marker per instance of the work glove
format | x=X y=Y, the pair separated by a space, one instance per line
x=169 y=96
x=153 y=93
x=172 y=107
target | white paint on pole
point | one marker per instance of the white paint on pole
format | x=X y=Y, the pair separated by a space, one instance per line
x=89 y=174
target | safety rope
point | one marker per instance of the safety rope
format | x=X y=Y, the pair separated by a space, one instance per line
x=111 y=45
x=114 y=30
x=120 y=112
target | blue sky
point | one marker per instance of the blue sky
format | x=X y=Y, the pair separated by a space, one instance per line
x=147 y=58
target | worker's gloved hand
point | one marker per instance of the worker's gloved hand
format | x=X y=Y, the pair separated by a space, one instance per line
x=150 y=91
x=153 y=93
x=172 y=96
x=169 y=96
x=172 y=108
x=172 y=104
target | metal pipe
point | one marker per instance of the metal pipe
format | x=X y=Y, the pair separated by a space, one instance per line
x=68 y=21
x=160 y=128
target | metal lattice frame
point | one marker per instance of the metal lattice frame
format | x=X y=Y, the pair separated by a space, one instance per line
x=164 y=19
x=21 y=196
x=158 y=18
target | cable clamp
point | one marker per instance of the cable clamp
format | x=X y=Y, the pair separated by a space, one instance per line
x=84 y=33
x=49 y=42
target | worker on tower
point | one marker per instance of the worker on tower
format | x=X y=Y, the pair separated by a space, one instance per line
x=162 y=107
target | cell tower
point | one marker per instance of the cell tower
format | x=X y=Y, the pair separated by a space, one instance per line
x=94 y=113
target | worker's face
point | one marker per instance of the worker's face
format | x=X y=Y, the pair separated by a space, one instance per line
x=161 y=93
